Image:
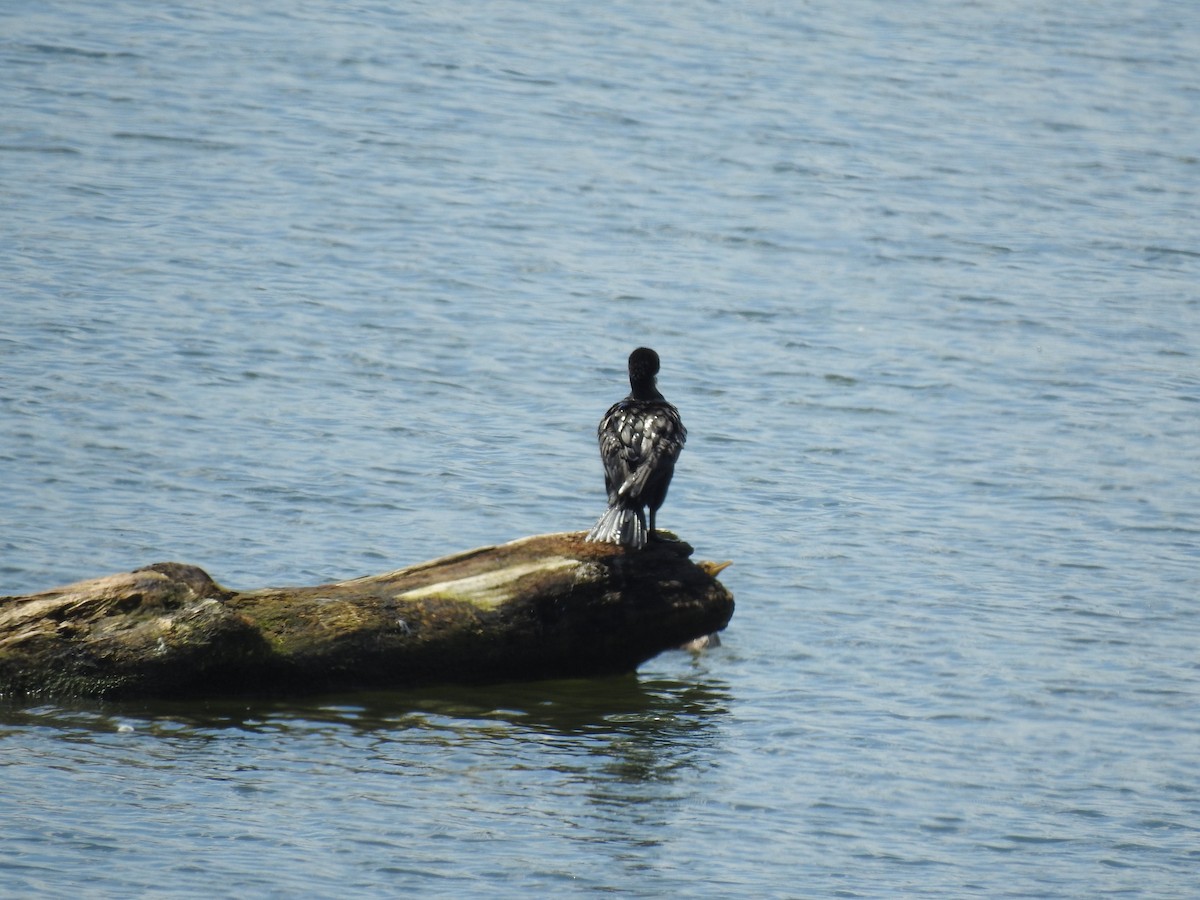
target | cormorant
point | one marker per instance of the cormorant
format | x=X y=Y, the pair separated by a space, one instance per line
x=640 y=439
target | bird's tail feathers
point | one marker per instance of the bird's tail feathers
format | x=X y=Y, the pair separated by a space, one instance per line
x=620 y=525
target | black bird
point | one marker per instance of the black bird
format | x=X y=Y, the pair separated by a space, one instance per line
x=640 y=439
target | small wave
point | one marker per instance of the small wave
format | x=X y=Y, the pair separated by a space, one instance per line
x=37 y=148
x=1156 y=252
x=200 y=143
x=63 y=50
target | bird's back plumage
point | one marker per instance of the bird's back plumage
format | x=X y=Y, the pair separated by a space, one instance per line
x=640 y=439
x=639 y=443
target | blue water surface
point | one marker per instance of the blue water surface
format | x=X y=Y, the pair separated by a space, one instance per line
x=302 y=291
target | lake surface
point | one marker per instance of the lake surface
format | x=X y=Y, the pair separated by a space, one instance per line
x=304 y=291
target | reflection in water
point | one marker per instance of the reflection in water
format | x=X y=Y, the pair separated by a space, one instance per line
x=448 y=785
x=593 y=770
x=639 y=730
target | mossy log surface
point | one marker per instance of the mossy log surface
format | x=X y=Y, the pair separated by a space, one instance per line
x=547 y=606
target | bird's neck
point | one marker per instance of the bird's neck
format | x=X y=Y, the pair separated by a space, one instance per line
x=644 y=390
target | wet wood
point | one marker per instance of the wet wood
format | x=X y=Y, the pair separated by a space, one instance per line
x=541 y=607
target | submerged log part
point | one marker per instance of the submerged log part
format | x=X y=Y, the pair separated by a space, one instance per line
x=540 y=607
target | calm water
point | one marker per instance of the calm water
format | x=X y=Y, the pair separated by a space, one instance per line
x=304 y=291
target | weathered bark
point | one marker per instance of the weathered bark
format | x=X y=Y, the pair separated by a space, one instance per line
x=544 y=606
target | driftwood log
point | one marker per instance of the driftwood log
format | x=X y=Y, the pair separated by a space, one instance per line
x=547 y=606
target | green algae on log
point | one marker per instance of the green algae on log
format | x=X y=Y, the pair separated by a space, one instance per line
x=548 y=606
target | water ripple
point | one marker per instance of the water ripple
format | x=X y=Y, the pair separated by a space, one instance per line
x=300 y=292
